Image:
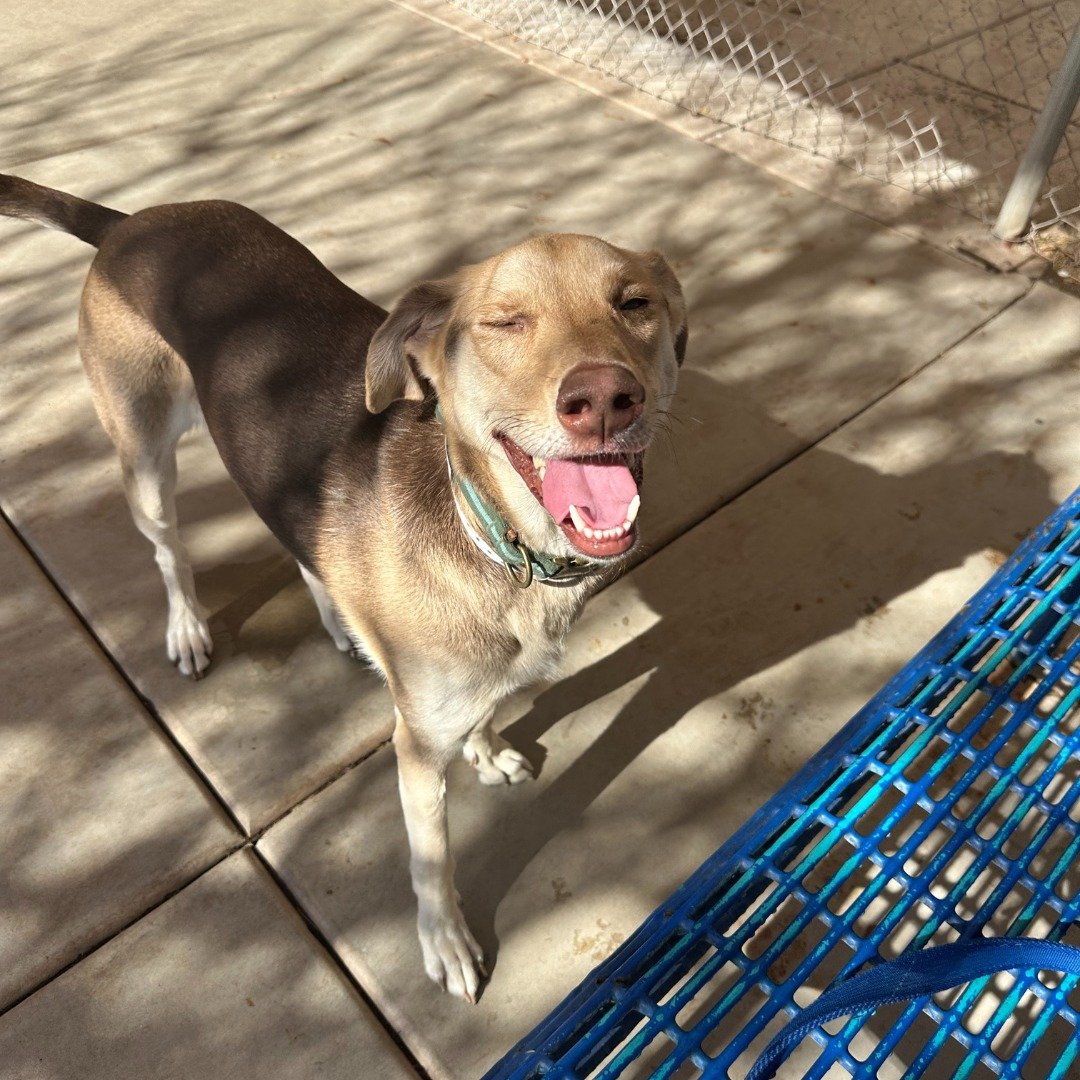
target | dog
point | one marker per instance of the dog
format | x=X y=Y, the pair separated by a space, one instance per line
x=454 y=477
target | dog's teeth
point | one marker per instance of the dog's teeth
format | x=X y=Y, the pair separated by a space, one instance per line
x=540 y=472
x=616 y=532
x=632 y=509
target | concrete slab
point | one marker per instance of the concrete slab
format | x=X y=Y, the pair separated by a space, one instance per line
x=820 y=77
x=708 y=81
x=934 y=221
x=736 y=61
x=101 y=73
x=1016 y=60
x=846 y=39
x=700 y=683
x=222 y=980
x=802 y=314
x=100 y=817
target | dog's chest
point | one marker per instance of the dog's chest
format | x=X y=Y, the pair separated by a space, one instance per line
x=539 y=624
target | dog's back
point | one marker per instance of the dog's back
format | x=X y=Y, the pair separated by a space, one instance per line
x=206 y=307
x=274 y=342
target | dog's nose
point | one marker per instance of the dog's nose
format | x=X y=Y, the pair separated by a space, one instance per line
x=599 y=400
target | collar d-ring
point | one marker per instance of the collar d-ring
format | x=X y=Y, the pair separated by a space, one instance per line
x=525 y=578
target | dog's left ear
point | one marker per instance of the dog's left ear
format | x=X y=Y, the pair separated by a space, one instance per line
x=399 y=355
x=673 y=296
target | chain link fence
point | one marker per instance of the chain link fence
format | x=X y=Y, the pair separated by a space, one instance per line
x=936 y=96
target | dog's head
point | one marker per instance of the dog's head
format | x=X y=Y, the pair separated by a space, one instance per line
x=554 y=362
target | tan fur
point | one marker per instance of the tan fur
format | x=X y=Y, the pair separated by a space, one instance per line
x=447 y=629
x=451 y=634
x=145 y=398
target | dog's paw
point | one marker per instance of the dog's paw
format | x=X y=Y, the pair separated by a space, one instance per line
x=506 y=767
x=188 y=643
x=452 y=958
x=495 y=760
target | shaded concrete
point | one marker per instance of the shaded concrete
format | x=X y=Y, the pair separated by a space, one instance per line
x=100 y=817
x=222 y=980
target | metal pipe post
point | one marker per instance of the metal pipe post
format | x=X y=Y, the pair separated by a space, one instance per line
x=1015 y=213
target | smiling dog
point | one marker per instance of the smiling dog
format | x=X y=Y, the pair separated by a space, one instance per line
x=451 y=500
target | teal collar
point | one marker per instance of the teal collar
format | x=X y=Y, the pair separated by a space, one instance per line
x=499 y=541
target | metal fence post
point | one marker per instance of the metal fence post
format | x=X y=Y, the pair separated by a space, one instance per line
x=1015 y=213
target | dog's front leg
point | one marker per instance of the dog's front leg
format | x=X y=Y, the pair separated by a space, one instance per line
x=451 y=955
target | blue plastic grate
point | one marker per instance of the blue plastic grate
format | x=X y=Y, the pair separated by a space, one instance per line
x=948 y=808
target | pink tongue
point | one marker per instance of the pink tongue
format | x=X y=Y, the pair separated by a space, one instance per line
x=601 y=492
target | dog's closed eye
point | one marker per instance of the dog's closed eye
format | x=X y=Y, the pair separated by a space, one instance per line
x=634 y=303
x=512 y=322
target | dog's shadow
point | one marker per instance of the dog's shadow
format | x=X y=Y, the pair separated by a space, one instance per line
x=826 y=542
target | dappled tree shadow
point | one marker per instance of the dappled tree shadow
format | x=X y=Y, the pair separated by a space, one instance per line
x=396 y=158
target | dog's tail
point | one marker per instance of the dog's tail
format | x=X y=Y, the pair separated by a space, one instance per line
x=56 y=209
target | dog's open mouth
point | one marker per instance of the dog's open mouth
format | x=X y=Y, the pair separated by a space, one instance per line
x=594 y=500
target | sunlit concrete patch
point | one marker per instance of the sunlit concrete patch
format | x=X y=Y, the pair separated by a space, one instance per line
x=103 y=72
x=801 y=314
x=699 y=684
x=222 y=980
x=100 y=817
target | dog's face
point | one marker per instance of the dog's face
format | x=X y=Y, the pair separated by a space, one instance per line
x=554 y=362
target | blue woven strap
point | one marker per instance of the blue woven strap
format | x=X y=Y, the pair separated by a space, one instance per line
x=913 y=975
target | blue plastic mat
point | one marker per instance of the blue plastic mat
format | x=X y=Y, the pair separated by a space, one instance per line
x=947 y=809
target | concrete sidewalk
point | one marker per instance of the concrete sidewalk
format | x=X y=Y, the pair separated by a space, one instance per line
x=210 y=878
